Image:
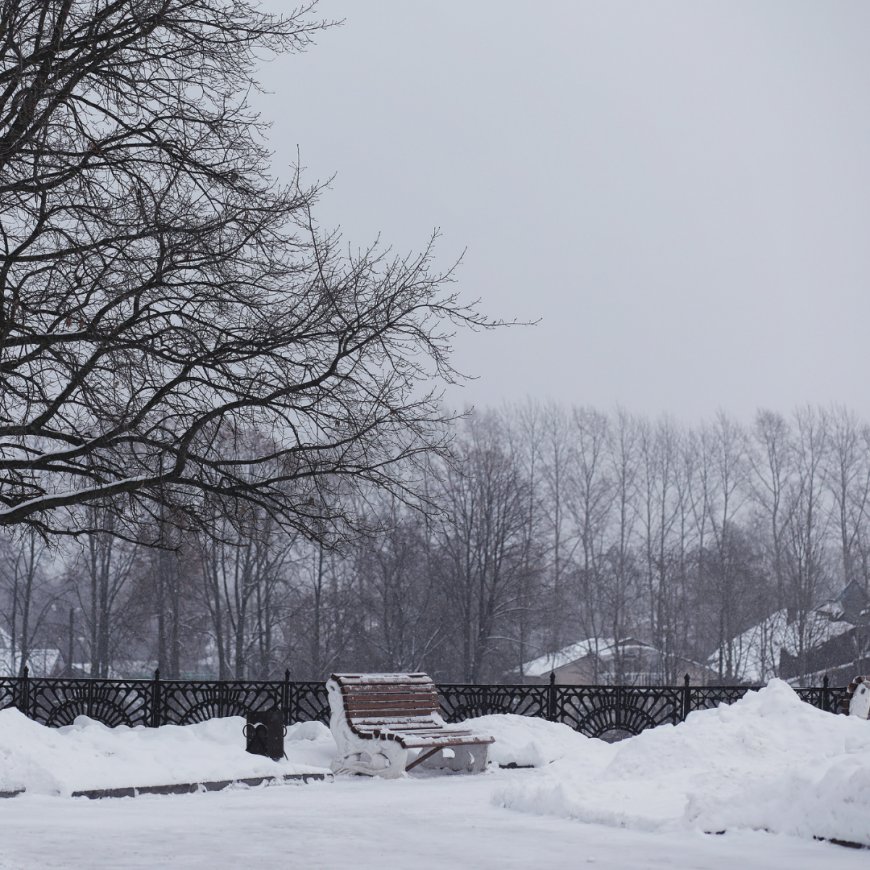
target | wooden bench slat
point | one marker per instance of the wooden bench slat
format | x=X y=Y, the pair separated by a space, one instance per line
x=431 y=698
x=384 y=703
x=413 y=735
x=419 y=743
x=390 y=712
x=409 y=729
x=431 y=702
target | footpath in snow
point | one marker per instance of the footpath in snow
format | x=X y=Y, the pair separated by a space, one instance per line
x=426 y=823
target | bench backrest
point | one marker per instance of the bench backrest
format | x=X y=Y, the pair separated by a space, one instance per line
x=377 y=696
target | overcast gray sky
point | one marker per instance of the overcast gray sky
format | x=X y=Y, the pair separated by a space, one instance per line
x=679 y=190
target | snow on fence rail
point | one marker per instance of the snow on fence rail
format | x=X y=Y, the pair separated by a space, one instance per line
x=596 y=711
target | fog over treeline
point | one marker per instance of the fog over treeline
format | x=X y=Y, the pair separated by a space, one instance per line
x=547 y=525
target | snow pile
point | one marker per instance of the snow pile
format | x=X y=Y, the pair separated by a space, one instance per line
x=89 y=755
x=768 y=762
x=524 y=741
x=310 y=743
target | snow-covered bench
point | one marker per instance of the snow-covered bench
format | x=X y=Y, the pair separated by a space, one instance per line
x=857 y=700
x=385 y=724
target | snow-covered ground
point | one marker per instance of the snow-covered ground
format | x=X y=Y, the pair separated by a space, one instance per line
x=771 y=771
x=432 y=823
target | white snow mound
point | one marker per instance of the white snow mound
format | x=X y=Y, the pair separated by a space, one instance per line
x=525 y=741
x=89 y=755
x=767 y=762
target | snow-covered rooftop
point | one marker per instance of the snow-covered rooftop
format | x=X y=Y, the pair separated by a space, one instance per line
x=40 y=662
x=542 y=665
x=756 y=652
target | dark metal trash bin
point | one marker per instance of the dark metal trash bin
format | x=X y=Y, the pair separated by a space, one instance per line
x=264 y=734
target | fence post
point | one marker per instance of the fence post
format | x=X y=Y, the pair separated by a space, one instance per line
x=24 y=691
x=156 y=700
x=551 y=697
x=687 y=697
x=826 y=693
x=285 y=697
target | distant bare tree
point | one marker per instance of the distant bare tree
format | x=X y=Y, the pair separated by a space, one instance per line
x=557 y=461
x=243 y=573
x=622 y=573
x=480 y=539
x=847 y=474
x=807 y=529
x=404 y=627
x=29 y=592
x=660 y=516
x=718 y=493
x=102 y=579
x=591 y=505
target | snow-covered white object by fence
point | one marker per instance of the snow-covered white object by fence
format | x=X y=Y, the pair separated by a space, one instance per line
x=859 y=703
x=385 y=724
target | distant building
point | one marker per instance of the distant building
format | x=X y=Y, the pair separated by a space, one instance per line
x=843 y=653
x=836 y=643
x=40 y=662
x=603 y=660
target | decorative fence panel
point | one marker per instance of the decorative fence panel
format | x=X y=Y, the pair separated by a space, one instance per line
x=597 y=711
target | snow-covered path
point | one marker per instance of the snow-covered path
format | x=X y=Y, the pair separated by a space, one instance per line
x=432 y=822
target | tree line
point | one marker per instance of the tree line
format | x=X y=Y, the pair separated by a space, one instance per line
x=544 y=525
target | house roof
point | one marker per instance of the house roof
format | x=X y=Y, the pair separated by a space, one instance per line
x=756 y=651
x=40 y=662
x=542 y=665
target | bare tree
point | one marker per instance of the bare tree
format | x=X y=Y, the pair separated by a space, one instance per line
x=481 y=537
x=591 y=502
x=102 y=579
x=242 y=573
x=556 y=466
x=405 y=627
x=661 y=512
x=160 y=292
x=718 y=495
x=29 y=590
x=847 y=474
x=622 y=575
x=807 y=529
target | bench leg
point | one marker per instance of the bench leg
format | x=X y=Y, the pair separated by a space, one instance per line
x=383 y=758
x=462 y=759
x=471 y=759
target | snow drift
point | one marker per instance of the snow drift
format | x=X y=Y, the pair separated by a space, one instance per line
x=768 y=762
x=89 y=755
x=524 y=741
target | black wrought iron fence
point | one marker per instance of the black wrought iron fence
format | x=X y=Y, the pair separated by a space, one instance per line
x=597 y=711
